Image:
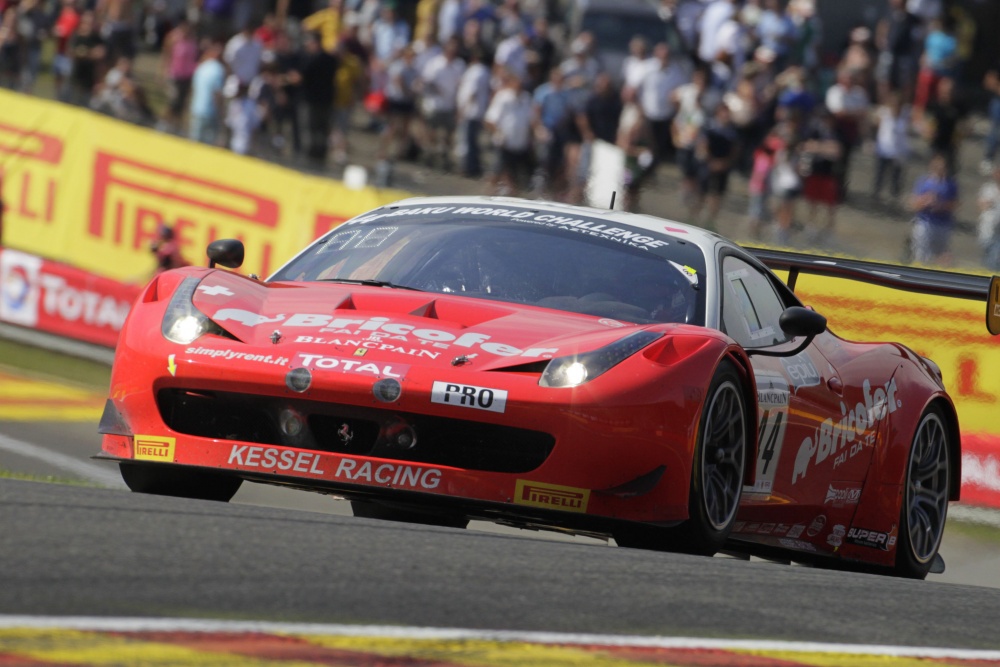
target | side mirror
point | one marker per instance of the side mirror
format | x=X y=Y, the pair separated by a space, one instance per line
x=798 y=321
x=226 y=252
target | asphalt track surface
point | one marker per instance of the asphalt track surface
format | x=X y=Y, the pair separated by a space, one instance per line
x=289 y=556
x=70 y=550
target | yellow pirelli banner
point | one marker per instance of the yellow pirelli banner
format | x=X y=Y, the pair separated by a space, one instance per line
x=92 y=191
x=953 y=333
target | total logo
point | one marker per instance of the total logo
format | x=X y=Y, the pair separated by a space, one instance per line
x=19 y=287
x=16 y=287
x=832 y=439
x=344 y=326
x=351 y=366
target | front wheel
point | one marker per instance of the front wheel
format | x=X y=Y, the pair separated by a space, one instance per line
x=716 y=478
x=165 y=480
x=925 y=497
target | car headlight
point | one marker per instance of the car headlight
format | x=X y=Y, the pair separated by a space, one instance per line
x=574 y=370
x=183 y=323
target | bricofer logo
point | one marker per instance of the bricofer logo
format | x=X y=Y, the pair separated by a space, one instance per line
x=131 y=199
x=154 y=448
x=29 y=164
x=551 y=496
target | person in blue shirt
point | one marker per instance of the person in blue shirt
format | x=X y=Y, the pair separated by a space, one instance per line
x=551 y=112
x=933 y=201
x=206 y=96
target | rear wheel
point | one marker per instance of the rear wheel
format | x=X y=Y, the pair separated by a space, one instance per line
x=163 y=480
x=716 y=479
x=375 y=510
x=925 y=497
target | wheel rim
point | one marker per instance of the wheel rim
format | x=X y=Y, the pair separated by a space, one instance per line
x=722 y=455
x=927 y=488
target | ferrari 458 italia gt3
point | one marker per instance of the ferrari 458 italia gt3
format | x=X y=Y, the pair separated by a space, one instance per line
x=545 y=366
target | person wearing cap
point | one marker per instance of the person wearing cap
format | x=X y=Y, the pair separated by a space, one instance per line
x=166 y=250
x=512 y=52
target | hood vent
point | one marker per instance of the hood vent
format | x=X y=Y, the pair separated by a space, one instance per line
x=428 y=310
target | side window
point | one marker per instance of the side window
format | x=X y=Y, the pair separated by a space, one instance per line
x=750 y=306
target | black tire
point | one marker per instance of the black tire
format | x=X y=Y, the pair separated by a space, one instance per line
x=716 y=475
x=375 y=510
x=163 y=480
x=926 y=489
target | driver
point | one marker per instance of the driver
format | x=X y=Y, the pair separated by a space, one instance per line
x=665 y=293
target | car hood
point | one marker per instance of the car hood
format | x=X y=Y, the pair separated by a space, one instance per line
x=342 y=320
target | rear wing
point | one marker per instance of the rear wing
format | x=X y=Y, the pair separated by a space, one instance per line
x=907 y=278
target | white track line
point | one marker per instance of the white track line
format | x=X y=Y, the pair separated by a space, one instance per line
x=111 y=624
x=103 y=475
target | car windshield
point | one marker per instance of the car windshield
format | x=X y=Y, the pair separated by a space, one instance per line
x=581 y=265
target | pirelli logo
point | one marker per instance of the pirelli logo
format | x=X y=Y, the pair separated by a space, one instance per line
x=30 y=143
x=551 y=496
x=131 y=199
x=154 y=448
x=29 y=172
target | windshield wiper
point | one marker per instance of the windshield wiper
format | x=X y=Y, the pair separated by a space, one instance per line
x=368 y=282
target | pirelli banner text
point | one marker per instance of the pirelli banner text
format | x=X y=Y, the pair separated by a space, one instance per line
x=953 y=333
x=92 y=191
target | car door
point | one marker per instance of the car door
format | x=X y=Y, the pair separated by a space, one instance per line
x=796 y=396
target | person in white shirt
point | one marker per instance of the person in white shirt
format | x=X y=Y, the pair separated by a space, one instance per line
x=636 y=63
x=473 y=98
x=892 y=145
x=439 y=82
x=849 y=104
x=928 y=10
x=686 y=129
x=508 y=119
x=448 y=19
x=712 y=19
x=243 y=55
x=243 y=117
x=581 y=68
x=512 y=54
x=656 y=98
x=989 y=221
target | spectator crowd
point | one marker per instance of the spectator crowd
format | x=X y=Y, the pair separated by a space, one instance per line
x=509 y=90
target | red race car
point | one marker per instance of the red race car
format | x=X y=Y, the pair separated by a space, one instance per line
x=545 y=366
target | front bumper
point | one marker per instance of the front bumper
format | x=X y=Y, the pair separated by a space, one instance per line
x=561 y=457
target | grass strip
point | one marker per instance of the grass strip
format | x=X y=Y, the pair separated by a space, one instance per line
x=35 y=360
